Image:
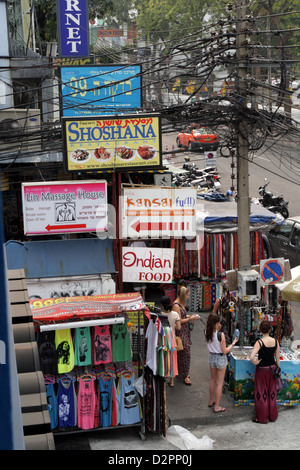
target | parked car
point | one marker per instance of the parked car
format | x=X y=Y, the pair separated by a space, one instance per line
x=284 y=241
x=196 y=137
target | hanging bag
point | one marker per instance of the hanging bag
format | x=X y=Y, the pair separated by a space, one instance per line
x=179 y=345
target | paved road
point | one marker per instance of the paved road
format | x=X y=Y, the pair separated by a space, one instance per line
x=278 y=161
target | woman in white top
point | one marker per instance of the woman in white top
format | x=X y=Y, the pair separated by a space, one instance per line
x=174 y=321
x=217 y=349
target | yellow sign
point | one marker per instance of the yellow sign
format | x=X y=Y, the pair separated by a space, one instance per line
x=176 y=84
x=190 y=87
x=112 y=143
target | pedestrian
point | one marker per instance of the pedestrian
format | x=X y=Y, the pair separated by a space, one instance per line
x=184 y=356
x=265 y=385
x=174 y=321
x=218 y=351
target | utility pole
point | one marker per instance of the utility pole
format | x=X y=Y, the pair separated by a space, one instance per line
x=243 y=204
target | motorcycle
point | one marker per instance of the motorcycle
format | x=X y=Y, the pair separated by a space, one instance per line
x=271 y=202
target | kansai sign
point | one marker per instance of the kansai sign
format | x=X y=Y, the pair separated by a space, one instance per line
x=73 y=28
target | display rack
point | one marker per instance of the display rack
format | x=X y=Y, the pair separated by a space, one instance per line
x=106 y=313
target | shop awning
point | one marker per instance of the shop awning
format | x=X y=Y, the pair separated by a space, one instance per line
x=291 y=289
x=60 y=258
x=221 y=216
x=84 y=307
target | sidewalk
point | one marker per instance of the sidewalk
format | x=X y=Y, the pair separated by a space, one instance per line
x=187 y=405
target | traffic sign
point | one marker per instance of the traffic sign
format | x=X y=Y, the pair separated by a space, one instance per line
x=272 y=270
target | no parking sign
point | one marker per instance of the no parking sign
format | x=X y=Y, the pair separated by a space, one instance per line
x=272 y=271
x=210 y=159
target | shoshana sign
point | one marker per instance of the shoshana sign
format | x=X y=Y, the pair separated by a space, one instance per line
x=73 y=28
x=147 y=264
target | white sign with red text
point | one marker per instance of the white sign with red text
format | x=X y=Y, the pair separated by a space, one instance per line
x=147 y=264
x=158 y=212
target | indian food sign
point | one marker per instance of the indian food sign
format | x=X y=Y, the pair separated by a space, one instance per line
x=121 y=143
x=147 y=265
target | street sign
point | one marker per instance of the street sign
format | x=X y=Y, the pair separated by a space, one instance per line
x=64 y=207
x=158 y=212
x=272 y=270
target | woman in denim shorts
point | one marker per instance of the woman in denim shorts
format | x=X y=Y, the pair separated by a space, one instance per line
x=218 y=351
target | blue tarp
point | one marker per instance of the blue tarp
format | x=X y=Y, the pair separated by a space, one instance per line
x=59 y=258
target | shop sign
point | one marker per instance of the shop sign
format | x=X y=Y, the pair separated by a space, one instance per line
x=158 y=212
x=64 y=207
x=147 y=265
x=73 y=28
x=121 y=144
x=90 y=306
x=100 y=89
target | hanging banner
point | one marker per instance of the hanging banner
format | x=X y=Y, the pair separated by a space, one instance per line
x=147 y=265
x=64 y=207
x=73 y=28
x=120 y=143
x=66 y=308
x=100 y=89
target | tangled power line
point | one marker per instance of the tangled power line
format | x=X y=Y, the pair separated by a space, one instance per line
x=201 y=58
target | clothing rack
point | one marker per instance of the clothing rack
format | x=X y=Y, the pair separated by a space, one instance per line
x=92 y=372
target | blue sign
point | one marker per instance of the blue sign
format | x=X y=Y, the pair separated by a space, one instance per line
x=100 y=89
x=73 y=28
x=272 y=271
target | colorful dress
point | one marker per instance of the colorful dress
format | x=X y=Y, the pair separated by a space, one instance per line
x=184 y=356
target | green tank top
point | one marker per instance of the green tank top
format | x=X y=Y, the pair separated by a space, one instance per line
x=83 y=347
x=120 y=343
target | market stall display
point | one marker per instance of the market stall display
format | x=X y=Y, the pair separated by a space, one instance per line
x=90 y=360
x=242 y=372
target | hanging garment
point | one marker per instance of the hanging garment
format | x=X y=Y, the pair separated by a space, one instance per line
x=52 y=405
x=105 y=400
x=47 y=352
x=67 y=404
x=128 y=400
x=64 y=351
x=102 y=345
x=121 y=350
x=86 y=404
x=152 y=339
x=82 y=346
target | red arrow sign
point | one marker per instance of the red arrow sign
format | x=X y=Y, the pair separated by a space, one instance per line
x=148 y=226
x=64 y=227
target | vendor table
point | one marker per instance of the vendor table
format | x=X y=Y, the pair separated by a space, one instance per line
x=242 y=372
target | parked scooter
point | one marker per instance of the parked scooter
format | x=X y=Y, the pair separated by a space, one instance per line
x=272 y=203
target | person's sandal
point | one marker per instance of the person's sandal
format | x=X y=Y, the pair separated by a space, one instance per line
x=187 y=381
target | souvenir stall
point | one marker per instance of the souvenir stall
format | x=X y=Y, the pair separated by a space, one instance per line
x=203 y=261
x=91 y=353
x=271 y=307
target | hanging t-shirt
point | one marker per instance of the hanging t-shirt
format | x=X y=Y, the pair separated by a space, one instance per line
x=105 y=397
x=129 y=410
x=67 y=404
x=152 y=339
x=52 y=405
x=47 y=352
x=64 y=351
x=86 y=404
x=102 y=345
x=121 y=350
x=82 y=345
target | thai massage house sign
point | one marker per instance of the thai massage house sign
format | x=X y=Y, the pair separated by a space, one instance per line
x=64 y=207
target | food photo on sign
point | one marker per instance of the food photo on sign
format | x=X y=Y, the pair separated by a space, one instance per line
x=101 y=143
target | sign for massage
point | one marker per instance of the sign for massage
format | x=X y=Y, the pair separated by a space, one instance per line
x=120 y=143
x=64 y=207
x=158 y=212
